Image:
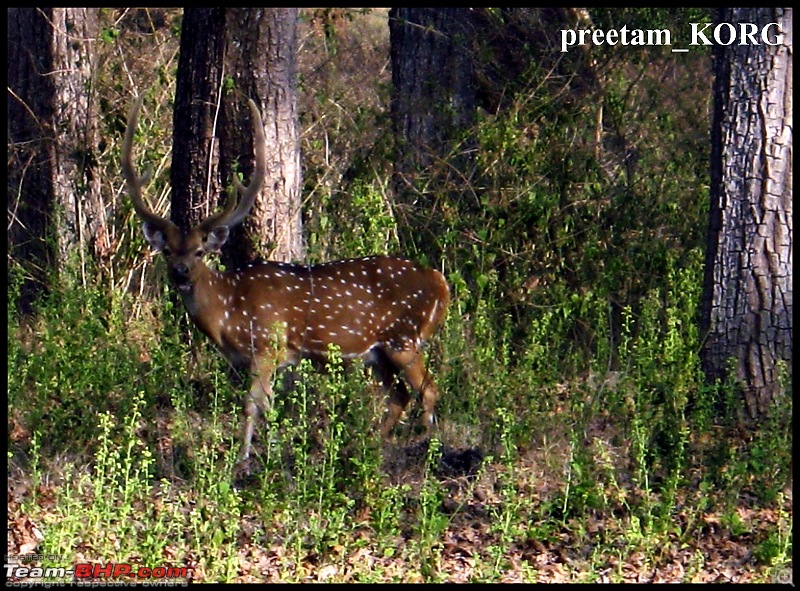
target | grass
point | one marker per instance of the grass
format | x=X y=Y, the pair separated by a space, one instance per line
x=122 y=448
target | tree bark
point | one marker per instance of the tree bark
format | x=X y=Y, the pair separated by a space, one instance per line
x=434 y=91
x=261 y=44
x=432 y=106
x=195 y=180
x=747 y=303
x=54 y=202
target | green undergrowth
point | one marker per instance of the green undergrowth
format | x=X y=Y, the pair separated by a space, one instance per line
x=123 y=440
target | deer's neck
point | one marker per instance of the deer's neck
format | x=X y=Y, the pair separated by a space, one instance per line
x=207 y=299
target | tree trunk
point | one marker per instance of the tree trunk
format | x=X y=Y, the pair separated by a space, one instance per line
x=82 y=222
x=260 y=64
x=433 y=98
x=747 y=303
x=54 y=202
x=195 y=180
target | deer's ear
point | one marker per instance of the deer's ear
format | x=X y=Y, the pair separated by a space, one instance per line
x=154 y=236
x=216 y=238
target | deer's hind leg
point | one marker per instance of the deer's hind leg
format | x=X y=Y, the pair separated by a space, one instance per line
x=398 y=396
x=410 y=362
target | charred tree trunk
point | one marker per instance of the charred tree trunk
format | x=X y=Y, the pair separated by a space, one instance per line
x=433 y=102
x=30 y=105
x=434 y=92
x=747 y=303
x=195 y=178
x=56 y=215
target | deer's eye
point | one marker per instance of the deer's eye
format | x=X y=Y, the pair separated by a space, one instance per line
x=199 y=253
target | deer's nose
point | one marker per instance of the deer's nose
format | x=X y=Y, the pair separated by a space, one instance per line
x=181 y=270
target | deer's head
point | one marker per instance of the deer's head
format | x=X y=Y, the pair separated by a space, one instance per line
x=184 y=250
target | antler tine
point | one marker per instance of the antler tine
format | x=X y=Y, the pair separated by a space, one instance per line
x=134 y=181
x=230 y=216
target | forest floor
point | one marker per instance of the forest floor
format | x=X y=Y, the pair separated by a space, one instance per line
x=699 y=544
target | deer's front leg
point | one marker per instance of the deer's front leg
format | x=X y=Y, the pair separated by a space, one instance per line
x=258 y=401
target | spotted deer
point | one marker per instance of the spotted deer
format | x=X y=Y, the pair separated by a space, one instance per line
x=270 y=314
